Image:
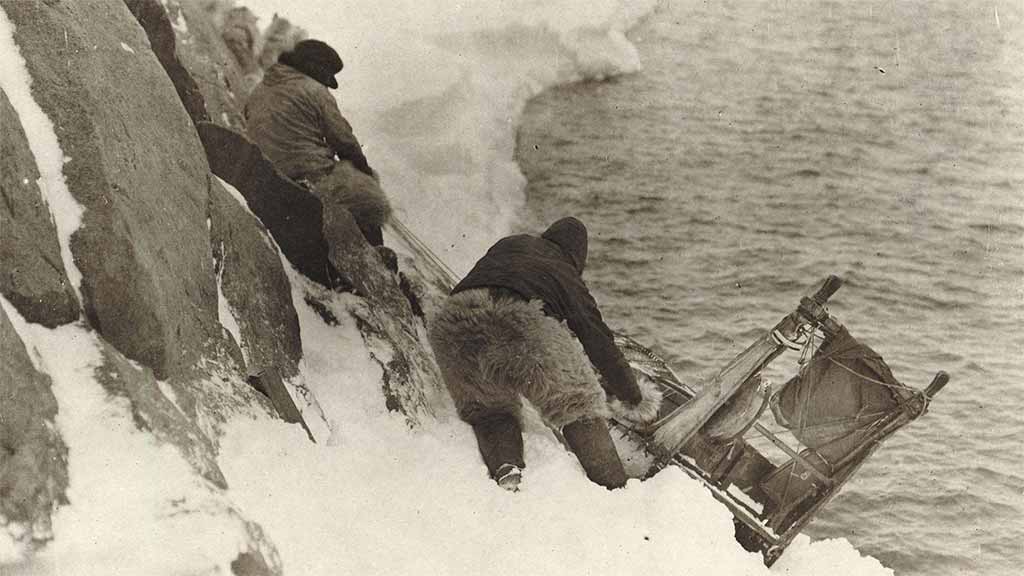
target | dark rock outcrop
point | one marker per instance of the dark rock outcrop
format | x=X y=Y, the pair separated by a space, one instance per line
x=138 y=169
x=321 y=242
x=391 y=329
x=33 y=457
x=188 y=43
x=149 y=283
x=292 y=214
x=256 y=287
x=154 y=19
x=33 y=277
x=248 y=266
x=258 y=559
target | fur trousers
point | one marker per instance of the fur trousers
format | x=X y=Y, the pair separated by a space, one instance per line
x=491 y=352
x=346 y=187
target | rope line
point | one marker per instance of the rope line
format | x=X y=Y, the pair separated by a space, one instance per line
x=421 y=246
x=870 y=379
x=847 y=420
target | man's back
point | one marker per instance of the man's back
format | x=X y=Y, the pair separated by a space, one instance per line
x=285 y=117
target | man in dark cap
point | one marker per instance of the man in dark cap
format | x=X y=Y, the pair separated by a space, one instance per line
x=293 y=118
x=523 y=322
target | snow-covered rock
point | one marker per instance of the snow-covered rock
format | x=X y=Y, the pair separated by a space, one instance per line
x=134 y=163
x=185 y=292
x=188 y=44
x=33 y=466
x=32 y=278
x=255 y=287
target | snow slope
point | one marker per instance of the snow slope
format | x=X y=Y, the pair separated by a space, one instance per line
x=380 y=498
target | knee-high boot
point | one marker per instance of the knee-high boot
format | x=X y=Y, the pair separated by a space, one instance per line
x=593 y=446
x=500 y=440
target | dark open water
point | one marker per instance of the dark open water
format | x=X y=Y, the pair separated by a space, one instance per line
x=769 y=144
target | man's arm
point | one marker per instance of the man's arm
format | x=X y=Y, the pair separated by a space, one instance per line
x=599 y=344
x=339 y=135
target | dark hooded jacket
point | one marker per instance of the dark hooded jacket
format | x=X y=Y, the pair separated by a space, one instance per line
x=549 y=268
x=296 y=122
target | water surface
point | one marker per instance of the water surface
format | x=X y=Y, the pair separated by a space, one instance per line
x=768 y=145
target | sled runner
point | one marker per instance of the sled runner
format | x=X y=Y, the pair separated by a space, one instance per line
x=774 y=458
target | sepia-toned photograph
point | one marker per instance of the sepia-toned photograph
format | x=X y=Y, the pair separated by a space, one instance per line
x=511 y=287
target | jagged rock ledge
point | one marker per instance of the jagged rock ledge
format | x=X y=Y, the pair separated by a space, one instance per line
x=162 y=249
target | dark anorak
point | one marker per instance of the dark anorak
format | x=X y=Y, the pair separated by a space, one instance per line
x=549 y=268
x=296 y=122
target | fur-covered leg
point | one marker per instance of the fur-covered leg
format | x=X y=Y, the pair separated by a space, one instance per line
x=500 y=440
x=593 y=446
x=360 y=194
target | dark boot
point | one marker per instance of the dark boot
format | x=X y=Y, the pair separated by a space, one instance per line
x=374 y=234
x=410 y=294
x=593 y=446
x=500 y=440
x=388 y=258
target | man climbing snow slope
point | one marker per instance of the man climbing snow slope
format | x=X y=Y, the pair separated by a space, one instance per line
x=293 y=118
x=523 y=322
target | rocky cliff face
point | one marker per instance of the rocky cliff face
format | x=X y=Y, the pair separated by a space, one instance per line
x=33 y=475
x=165 y=251
x=137 y=169
x=33 y=277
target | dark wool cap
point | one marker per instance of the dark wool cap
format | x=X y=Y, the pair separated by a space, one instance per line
x=315 y=59
x=571 y=236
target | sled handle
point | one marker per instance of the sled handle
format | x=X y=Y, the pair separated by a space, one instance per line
x=938 y=383
x=813 y=308
x=832 y=283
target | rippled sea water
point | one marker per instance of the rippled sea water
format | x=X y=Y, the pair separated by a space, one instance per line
x=766 y=145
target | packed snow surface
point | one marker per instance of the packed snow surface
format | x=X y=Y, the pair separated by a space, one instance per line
x=434 y=90
x=380 y=498
x=137 y=507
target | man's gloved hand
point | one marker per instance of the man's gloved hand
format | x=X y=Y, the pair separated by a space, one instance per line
x=643 y=413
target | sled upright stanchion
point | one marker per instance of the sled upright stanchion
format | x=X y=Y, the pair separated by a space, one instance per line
x=831 y=285
x=674 y=430
x=813 y=308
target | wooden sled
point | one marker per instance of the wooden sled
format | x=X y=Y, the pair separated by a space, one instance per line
x=774 y=458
